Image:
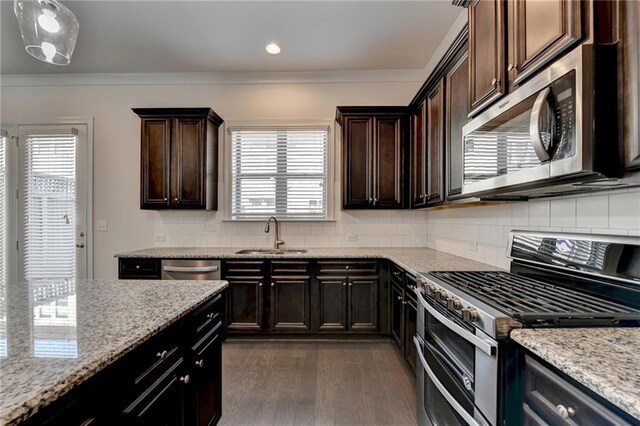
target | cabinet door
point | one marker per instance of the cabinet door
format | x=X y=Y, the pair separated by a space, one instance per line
x=397 y=312
x=188 y=163
x=245 y=303
x=357 y=147
x=289 y=304
x=332 y=306
x=363 y=304
x=387 y=168
x=207 y=380
x=457 y=82
x=419 y=158
x=486 y=53
x=410 y=329
x=435 y=145
x=154 y=173
x=630 y=87
x=543 y=29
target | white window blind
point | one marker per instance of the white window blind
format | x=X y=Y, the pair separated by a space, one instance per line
x=279 y=172
x=48 y=197
x=3 y=220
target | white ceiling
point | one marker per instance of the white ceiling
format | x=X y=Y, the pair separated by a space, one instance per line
x=230 y=36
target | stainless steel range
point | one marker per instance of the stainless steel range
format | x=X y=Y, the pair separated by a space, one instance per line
x=464 y=318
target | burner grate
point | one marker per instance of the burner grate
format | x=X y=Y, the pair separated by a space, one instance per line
x=527 y=299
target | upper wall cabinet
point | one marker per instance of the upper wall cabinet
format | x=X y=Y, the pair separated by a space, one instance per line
x=456 y=84
x=630 y=76
x=435 y=144
x=373 y=169
x=510 y=40
x=179 y=158
x=541 y=31
x=487 y=60
x=419 y=157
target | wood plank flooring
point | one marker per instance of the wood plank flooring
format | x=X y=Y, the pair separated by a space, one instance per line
x=316 y=383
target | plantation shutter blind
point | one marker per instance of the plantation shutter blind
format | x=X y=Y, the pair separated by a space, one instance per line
x=48 y=203
x=279 y=172
x=3 y=216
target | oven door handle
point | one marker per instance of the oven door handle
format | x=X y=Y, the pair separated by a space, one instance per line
x=471 y=421
x=485 y=346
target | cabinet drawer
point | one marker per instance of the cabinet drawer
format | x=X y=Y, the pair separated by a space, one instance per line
x=349 y=267
x=397 y=274
x=243 y=268
x=139 y=269
x=549 y=397
x=290 y=267
x=154 y=360
x=207 y=316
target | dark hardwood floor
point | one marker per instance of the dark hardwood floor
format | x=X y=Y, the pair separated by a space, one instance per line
x=316 y=383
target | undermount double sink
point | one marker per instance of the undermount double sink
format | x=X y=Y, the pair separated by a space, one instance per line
x=272 y=251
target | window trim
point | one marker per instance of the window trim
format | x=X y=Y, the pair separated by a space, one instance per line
x=226 y=161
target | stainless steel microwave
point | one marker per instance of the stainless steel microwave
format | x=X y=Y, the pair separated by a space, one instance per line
x=556 y=133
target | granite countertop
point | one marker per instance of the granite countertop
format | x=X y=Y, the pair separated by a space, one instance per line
x=58 y=333
x=602 y=359
x=414 y=260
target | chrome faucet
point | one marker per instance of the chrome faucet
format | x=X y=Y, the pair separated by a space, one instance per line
x=277 y=242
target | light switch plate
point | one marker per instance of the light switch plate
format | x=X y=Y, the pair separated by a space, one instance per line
x=352 y=237
x=158 y=238
x=102 y=225
x=211 y=226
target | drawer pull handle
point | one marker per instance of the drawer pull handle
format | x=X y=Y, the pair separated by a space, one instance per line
x=273 y=284
x=346 y=267
x=137 y=266
x=399 y=297
x=185 y=379
x=565 y=412
x=162 y=355
x=344 y=284
x=259 y=284
x=200 y=363
x=210 y=316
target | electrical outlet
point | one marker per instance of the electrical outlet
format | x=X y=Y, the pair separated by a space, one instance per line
x=158 y=238
x=473 y=246
x=211 y=226
x=352 y=237
x=102 y=225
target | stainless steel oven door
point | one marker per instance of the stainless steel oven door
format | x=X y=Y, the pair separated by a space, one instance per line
x=464 y=364
x=535 y=133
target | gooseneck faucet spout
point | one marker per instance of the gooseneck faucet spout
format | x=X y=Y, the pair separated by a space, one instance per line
x=277 y=242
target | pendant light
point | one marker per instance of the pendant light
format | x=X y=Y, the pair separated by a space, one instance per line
x=49 y=29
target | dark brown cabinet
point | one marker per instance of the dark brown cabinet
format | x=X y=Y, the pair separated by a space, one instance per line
x=630 y=75
x=404 y=314
x=179 y=158
x=397 y=312
x=362 y=300
x=373 y=140
x=419 y=157
x=245 y=301
x=487 y=58
x=456 y=116
x=435 y=144
x=410 y=327
x=541 y=31
x=289 y=303
x=332 y=304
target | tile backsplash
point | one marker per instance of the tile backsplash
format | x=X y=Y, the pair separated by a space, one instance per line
x=481 y=233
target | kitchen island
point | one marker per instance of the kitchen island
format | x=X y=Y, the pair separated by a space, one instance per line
x=94 y=336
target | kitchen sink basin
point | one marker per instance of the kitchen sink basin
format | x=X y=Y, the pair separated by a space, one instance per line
x=272 y=251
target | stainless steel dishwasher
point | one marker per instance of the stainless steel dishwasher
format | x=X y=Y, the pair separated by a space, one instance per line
x=190 y=269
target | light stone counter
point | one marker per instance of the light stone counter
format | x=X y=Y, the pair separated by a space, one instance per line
x=60 y=333
x=413 y=260
x=604 y=360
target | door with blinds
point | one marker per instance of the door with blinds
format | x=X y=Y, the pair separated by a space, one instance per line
x=51 y=202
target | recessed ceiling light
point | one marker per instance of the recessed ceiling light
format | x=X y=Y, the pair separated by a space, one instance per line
x=273 y=48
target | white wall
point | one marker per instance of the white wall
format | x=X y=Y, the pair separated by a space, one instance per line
x=481 y=233
x=117 y=159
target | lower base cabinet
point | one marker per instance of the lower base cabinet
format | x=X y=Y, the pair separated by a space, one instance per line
x=174 y=379
x=404 y=314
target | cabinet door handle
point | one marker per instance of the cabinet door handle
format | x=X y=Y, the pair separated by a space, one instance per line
x=350 y=284
x=565 y=412
x=399 y=297
x=375 y=200
x=344 y=284
x=162 y=355
x=259 y=284
x=200 y=363
x=210 y=315
x=346 y=267
x=495 y=82
x=273 y=284
x=185 y=379
x=370 y=200
x=512 y=67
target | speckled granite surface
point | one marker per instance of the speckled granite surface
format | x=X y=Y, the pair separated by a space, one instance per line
x=605 y=360
x=413 y=260
x=58 y=334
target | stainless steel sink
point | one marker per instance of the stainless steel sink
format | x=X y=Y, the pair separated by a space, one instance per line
x=272 y=251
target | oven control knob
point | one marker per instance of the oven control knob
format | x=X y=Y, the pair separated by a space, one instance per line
x=454 y=304
x=431 y=288
x=441 y=295
x=470 y=315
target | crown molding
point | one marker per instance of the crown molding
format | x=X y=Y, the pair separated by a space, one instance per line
x=137 y=79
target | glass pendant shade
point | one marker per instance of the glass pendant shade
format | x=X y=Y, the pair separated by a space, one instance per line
x=49 y=29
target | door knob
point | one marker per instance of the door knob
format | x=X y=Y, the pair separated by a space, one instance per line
x=200 y=363
x=185 y=379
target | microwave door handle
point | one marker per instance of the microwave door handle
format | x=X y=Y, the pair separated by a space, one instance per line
x=534 y=125
x=483 y=345
x=470 y=420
